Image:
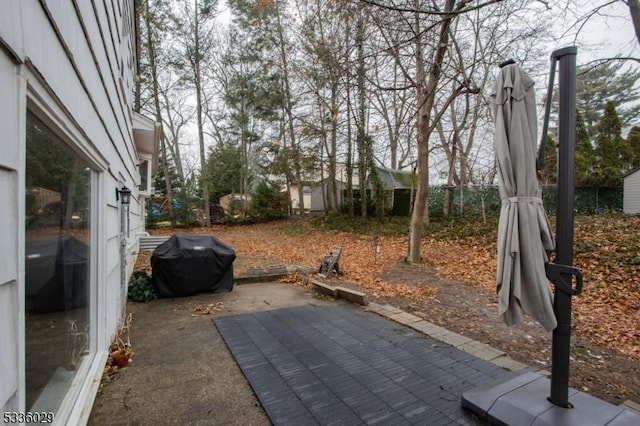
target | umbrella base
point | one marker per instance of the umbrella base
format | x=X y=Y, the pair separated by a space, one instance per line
x=522 y=400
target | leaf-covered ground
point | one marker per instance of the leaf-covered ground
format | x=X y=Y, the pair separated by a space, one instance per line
x=454 y=287
x=607 y=251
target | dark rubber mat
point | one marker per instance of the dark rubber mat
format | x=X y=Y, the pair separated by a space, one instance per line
x=342 y=366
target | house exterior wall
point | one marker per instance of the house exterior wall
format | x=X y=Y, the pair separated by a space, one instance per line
x=321 y=191
x=314 y=196
x=11 y=84
x=631 y=191
x=316 y=202
x=295 y=200
x=71 y=65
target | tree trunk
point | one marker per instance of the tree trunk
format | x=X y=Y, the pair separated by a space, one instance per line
x=283 y=134
x=446 y=202
x=136 y=21
x=323 y=147
x=298 y=176
x=465 y=172
x=422 y=194
x=289 y=109
x=349 y=161
x=174 y=148
x=634 y=11
x=393 y=135
x=362 y=133
x=426 y=100
x=329 y=192
x=156 y=103
x=167 y=179
x=450 y=151
x=204 y=180
x=244 y=160
x=173 y=144
x=419 y=203
x=333 y=191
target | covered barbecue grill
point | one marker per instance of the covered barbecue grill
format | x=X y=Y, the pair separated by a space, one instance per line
x=185 y=265
x=56 y=273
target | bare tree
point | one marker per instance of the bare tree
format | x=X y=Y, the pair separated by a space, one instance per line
x=322 y=40
x=429 y=29
x=177 y=115
x=151 y=18
x=349 y=155
x=288 y=104
x=586 y=11
x=396 y=110
x=193 y=28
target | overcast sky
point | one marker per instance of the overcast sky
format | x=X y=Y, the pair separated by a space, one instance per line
x=605 y=35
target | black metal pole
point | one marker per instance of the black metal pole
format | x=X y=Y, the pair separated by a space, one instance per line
x=545 y=125
x=564 y=222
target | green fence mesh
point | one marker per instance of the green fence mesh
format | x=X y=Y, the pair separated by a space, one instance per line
x=475 y=200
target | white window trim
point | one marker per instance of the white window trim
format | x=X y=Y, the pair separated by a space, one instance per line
x=149 y=159
x=43 y=103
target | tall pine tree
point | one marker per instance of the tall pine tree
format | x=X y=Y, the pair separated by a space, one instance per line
x=613 y=153
x=584 y=153
x=607 y=83
x=633 y=139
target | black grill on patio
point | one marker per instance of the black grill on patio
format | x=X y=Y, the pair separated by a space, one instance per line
x=185 y=265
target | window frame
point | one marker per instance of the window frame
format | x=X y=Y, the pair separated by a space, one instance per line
x=44 y=105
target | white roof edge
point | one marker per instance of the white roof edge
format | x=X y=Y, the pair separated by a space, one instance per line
x=141 y=122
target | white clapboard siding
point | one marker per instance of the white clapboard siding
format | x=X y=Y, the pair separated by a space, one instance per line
x=72 y=65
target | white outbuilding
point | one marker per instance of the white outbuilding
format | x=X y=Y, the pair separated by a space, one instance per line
x=631 y=197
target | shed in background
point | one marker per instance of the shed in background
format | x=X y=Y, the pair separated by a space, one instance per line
x=631 y=193
x=399 y=187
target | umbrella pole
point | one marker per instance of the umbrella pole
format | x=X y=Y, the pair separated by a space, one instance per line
x=564 y=224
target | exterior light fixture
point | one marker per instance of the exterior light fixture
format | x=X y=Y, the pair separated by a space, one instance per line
x=125 y=194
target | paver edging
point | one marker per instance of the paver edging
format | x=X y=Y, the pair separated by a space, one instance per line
x=631 y=405
x=463 y=343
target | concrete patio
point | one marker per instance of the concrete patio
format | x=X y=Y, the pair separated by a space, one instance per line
x=183 y=372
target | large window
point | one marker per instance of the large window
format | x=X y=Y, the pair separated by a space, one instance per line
x=57 y=265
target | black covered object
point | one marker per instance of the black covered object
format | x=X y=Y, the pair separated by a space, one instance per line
x=56 y=273
x=185 y=265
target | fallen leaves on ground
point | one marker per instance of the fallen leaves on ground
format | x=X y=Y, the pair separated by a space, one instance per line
x=607 y=251
x=120 y=351
x=365 y=256
x=208 y=309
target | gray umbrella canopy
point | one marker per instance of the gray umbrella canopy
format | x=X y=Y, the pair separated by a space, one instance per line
x=524 y=232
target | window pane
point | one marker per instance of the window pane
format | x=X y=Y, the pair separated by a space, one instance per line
x=144 y=170
x=57 y=266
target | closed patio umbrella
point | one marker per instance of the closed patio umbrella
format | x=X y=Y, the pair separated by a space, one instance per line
x=524 y=232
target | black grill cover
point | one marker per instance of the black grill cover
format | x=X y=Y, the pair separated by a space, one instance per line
x=57 y=273
x=185 y=265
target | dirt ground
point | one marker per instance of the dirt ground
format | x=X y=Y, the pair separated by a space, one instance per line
x=470 y=311
x=459 y=306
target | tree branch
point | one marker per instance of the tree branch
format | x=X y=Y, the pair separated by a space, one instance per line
x=591 y=65
x=459 y=9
